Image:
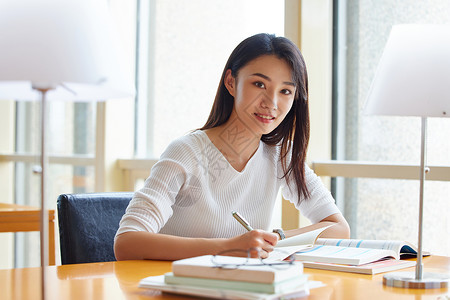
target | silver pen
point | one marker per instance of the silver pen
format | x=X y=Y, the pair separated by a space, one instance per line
x=241 y=220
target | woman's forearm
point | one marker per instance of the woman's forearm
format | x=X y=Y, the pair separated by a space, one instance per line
x=145 y=245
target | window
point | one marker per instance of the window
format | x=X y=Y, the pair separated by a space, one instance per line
x=382 y=208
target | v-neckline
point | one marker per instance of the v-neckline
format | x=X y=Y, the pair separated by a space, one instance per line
x=223 y=156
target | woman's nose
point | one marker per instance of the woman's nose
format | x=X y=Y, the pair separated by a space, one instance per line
x=270 y=101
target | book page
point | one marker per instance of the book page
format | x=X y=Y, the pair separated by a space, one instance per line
x=371 y=244
x=281 y=253
x=307 y=238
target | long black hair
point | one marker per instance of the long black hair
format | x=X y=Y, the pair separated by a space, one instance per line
x=293 y=131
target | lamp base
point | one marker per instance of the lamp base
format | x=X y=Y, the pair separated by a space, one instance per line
x=408 y=280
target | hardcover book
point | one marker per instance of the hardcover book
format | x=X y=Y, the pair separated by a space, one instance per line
x=255 y=287
x=380 y=266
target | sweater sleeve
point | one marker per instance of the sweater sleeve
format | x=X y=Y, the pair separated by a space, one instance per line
x=151 y=205
x=319 y=205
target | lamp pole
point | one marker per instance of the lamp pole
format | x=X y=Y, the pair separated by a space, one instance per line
x=43 y=170
x=419 y=279
x=423 y=171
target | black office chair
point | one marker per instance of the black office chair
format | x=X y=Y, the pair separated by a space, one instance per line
x=87 y=225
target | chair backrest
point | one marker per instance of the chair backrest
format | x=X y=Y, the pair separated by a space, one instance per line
x=88 y=224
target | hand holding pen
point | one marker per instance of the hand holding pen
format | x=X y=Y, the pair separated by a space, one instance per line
x=258 y=238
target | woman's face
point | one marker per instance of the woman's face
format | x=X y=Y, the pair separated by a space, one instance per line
x=263 y=93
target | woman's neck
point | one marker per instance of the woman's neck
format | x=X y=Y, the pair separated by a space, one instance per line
x=235 y=141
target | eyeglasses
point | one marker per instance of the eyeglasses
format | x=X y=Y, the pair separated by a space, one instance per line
x=235 y=258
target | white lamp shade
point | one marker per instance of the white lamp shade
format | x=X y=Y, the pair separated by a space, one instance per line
x=67 y=45
x=413 y=75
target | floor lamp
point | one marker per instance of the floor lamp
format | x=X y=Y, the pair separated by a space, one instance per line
x=413 y=79
x=58 y=50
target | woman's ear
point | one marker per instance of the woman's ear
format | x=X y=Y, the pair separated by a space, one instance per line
x=230 y=82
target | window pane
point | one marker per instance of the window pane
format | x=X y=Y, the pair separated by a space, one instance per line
x=71 y=131
x=388 y=209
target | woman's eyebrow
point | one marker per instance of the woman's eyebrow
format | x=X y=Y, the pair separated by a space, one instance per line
x=268 y=78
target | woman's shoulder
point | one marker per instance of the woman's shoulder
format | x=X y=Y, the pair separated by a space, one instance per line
x=193 y=138
x=186 y=145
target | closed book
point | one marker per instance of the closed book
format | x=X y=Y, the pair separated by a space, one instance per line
x=380 y=266
x=157 y=283
x=252 y=271
x=256 y=287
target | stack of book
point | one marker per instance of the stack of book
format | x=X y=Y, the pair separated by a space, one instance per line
x=200 y=276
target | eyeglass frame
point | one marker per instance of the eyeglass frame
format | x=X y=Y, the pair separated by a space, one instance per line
x=288 y=261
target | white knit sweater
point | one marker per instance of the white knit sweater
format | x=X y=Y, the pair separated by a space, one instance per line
x=192 y=190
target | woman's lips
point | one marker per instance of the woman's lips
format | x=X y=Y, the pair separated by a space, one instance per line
x=264 y=118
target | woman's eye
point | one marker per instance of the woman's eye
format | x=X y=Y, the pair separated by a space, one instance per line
x=259 y=84
x=286 y=92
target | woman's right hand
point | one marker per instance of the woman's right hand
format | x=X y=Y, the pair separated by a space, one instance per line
x=260 y=240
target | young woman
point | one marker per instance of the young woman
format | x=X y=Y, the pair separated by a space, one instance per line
x=253 y=143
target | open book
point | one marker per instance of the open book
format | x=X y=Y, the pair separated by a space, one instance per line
x=288 y=246
x=355 y=252
x=348 y=255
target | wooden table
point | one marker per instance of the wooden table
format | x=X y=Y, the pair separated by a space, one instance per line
x=16 y=218
x=119 y=280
